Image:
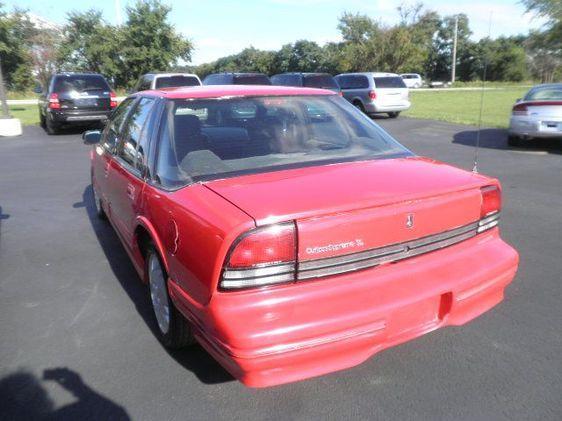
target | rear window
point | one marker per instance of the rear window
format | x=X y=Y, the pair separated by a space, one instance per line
x=251 y=80
x=389 y=82
x=550 y=93
x=205 y=139
x=80 y=83
x=320 y=81
x=176 y=81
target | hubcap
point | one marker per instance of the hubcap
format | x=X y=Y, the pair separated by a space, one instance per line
x=97 y=201
x=158 y=293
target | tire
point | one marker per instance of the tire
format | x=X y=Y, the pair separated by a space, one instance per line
x=359 y=105
x=174 y=330
x=42 y=120
x=515 y=141
x=394 y=114
x=51 y=127
x=97 y=201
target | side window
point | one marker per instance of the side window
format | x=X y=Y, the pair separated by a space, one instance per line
x=113 y=128
x=133 y=131
x=362 y=82
x=343 y=82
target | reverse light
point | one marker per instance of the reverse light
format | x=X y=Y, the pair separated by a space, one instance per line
x=54 y=103
x=112 y=99
x=372 y=95
x=260 y=257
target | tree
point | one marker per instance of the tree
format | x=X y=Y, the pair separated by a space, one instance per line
x=302 y=56
x=149 y=42
x=45 y=45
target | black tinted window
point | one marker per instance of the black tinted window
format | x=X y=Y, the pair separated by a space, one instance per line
x=320 y=81
x=545 y=93
x=133 y=131
x=80 y=83
x=113 y=128
x=251 y=80
x=353 y=82
x=176 y=81
x=389 y=82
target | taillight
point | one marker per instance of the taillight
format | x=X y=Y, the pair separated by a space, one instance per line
x=54 y=103
x=340 y=93
x=260 y=257
x=490 y=208
x=520 y=109
x=372 y=95
x=112 y=99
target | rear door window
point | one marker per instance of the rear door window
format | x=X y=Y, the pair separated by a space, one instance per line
x=389 y=82
x=133 y=131
x=176 y=81
x=113 y=128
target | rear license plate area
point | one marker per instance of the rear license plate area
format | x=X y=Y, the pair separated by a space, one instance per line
x=87 y=102
x=420 y=315
x=552 y=125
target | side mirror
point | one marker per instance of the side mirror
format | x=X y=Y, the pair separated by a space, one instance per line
x=38 y=89
x=518 y=99
x=91 y=137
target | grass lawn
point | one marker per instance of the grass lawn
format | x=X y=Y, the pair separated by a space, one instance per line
x=28 y=114
x=463 y=107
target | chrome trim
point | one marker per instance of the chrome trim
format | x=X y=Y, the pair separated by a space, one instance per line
x=257 y=282
x=258 y=271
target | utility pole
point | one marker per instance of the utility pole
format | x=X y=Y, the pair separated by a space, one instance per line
x=118 y=12
x=5 y=110
x=454 y=67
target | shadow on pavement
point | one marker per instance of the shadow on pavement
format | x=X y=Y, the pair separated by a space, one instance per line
x=193 y=358
x=497 y=139
x=23 y=397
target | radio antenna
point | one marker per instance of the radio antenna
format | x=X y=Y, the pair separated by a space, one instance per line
x=477 y=146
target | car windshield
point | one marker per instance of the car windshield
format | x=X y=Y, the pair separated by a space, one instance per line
x=176 y=81
x=389 y=82
x=320 y=81
x=80 y=83
x=251 y=80
x=547 y=93
x=205 y=139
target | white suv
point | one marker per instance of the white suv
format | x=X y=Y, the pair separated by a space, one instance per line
x=166 y=80
x=412 y=80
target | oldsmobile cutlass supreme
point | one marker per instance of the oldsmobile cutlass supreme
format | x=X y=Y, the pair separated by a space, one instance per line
x=287 y=233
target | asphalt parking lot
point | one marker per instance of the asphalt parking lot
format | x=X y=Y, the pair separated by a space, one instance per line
x=76 y=331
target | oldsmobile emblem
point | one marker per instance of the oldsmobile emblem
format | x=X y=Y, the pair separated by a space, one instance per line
x=410 y=220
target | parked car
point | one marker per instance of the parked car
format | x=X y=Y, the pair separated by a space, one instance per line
x=412 y=80
x=537 y=115
x=237 y=79
x=166 y=80
x=307 y=80
x=375 y=93
x=75 y=98
x=289 y=235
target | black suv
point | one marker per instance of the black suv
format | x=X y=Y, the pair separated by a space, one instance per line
x=237 y=79
x=75 y=98
x=308 y=80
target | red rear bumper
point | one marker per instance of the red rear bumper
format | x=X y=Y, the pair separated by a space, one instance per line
x=288 y=333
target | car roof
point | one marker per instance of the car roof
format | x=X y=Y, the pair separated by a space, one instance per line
x=238 y=73
x=217 y=91
x=78 y=74
x=167 y=74
x=547 y=85
x=305 y=73
x=372 y=74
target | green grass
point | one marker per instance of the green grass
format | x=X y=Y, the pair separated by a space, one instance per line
x=28 y=114
x=463 y=107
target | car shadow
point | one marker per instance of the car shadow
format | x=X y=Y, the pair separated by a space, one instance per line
x=23 y=397
x=497 y=139
x=193 y=358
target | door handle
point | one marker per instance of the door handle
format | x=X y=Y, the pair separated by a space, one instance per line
x=131 y=191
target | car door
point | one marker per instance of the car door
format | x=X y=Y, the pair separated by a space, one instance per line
x=106 y=148
x=126 y=180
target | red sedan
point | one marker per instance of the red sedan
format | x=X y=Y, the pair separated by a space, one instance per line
x=289 y=234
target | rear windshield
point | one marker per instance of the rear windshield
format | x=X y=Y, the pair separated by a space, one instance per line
x=320 y=81
x=176 y=81
x=206 y=139
x=251 y=80
x=546 y=93
x=389 y=82
x=80 y=83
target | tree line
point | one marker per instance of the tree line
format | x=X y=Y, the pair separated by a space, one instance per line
x=421 y=42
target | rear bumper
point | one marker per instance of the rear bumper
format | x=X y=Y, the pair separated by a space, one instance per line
x=79 y=116
x=528 y=127
x=289 y=333
x=373 y=107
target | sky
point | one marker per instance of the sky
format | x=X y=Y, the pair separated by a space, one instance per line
x=220 y=27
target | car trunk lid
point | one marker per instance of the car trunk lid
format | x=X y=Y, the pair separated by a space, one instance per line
x=351 y=207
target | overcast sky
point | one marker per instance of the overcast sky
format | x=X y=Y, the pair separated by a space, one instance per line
x=220 y=27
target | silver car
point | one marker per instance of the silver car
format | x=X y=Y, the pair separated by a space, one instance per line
x=538 y=114
x=375 y=92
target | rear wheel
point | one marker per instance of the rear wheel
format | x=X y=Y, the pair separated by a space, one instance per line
x=394 y=114
x=174 y=330
x=51 y=127
x=97 y=201
x=359 y=105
